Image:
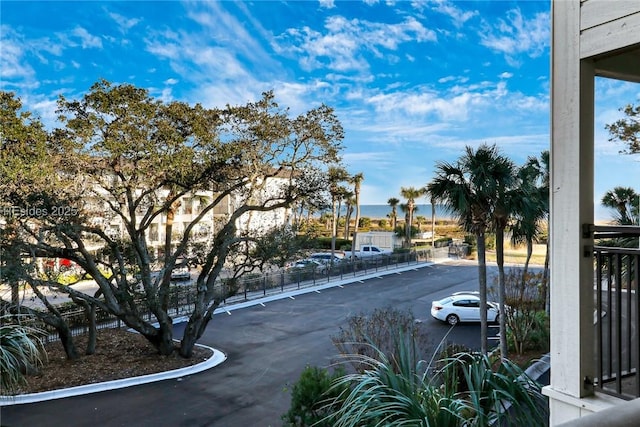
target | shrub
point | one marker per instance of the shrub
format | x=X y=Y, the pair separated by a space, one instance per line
x=527 y=328
x=443 y=242
x=377 y=333
x=324 y=243
x=397 y=390
x=313 y=399
x=21 y=352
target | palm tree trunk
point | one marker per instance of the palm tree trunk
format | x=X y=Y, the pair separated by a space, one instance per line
x=334 y=226
x=482 y=278
x=501 y=290
x=545 y=282
x=355 y=228
x=433 y=224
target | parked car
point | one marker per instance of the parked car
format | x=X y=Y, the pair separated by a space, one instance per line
x=180 y=273
x=326 y=257
x=463 y=307
x=309 y=264
x=368 y=251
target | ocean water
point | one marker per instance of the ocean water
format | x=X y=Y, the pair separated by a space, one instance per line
x=382 y=211
x=602 y=214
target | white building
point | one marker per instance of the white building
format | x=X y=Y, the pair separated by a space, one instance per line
x=192 y=204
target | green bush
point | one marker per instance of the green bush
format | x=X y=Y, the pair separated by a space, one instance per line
x=443 y=242
x=313 y=399
x=324 y=243
x=380 y=328
x=21 y=352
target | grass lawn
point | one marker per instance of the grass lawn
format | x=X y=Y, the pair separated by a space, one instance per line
x=518 y=255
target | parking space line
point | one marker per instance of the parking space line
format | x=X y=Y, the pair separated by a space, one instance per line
x=291 y=297
x=262 y=304
x=317 y=291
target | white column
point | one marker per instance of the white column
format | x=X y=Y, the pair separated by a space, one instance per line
x=572 y=171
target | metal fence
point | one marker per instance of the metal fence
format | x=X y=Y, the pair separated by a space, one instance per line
x=617 y=321
x=182 y=296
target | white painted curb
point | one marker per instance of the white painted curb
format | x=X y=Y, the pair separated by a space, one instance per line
x=217 y=358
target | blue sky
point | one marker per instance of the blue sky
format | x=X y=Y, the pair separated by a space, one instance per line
x=412 y=82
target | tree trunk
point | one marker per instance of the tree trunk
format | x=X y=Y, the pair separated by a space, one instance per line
x=334 y=227
x=433 y=225
x=66 y=339
x=15 y=295
x=482 y=279
x=196 y=326
x=501 y=290
x=545 y=281
x=355 y=228
x=90 y=312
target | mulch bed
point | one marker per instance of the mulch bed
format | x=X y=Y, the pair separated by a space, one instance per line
x=119 y=354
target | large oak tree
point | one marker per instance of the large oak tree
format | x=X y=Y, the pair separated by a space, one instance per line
x=122 y=156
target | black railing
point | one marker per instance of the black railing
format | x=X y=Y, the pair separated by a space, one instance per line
x=617 y=310
x=182 y=296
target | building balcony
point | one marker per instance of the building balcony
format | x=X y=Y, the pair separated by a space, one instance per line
x=617 y=310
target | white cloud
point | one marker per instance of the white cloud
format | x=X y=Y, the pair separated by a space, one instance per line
x=517 y=35
x=457 y=15
x=87 y=40
x=12 y=63
x=221 y=28
x=345 y=42
x=124 y=23
x=506 y=75
x=171 y=81
x=422 y=104
x=327 y=4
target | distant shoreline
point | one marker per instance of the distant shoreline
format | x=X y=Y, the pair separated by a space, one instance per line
x=378 y=212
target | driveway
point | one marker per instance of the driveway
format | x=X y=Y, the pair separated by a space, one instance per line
x=267 y=348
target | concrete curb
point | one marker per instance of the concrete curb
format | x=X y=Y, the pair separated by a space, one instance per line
x=217 y=358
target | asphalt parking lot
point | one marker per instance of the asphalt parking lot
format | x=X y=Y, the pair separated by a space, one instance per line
x=267 y=346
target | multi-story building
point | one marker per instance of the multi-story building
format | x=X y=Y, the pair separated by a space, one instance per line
x=190 y=206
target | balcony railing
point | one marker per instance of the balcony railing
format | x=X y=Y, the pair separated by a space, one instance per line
x=617 y=310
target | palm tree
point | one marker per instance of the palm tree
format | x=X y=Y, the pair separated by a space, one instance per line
x=411 y=194
x=624 y=200
x=349 y=202
x=433 y=218
x=501 y=212
x=336 y=176
x=530 y=203
x=469 y=189
x=356 y=180
x=393 y=202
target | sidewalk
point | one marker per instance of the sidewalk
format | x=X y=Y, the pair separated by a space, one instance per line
x=256 y=298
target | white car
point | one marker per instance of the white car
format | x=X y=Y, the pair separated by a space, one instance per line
x=309 y=264
x=180 y=273
x=325 y=257
x=463 y=307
